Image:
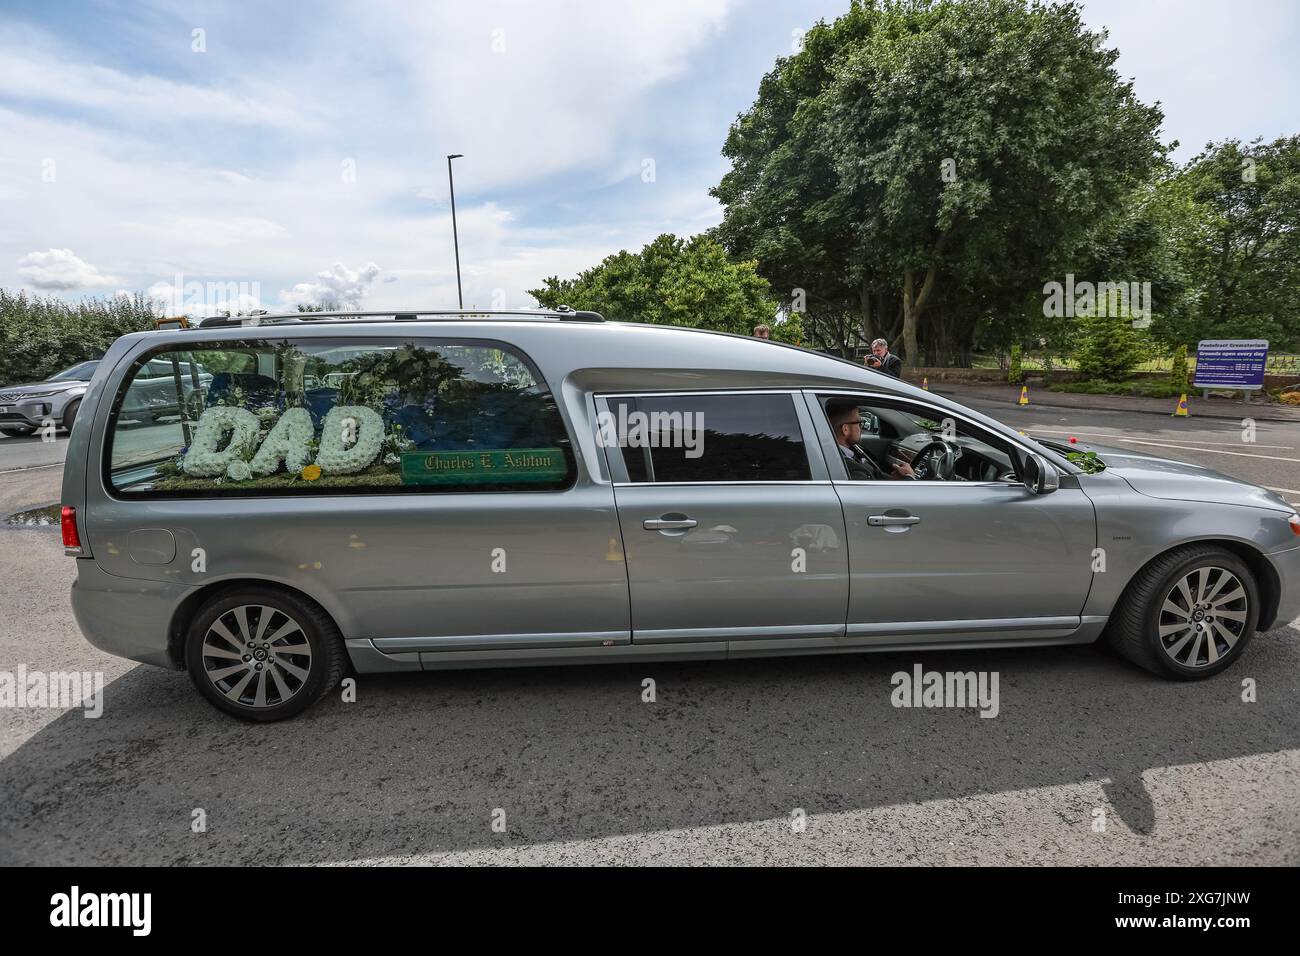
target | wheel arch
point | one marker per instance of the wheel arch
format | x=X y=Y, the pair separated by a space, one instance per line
x=1266 y=576
x=187 y=608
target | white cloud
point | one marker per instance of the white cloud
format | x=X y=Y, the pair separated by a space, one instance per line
x=35 y=67
x=527 y=90
x=61 y=269
x=209 y=230
x=337 y=287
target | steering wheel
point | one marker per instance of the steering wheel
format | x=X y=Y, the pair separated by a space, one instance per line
x=936 y=461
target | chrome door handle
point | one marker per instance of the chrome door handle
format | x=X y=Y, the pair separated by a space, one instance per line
x=666 y=524
x=886 y=521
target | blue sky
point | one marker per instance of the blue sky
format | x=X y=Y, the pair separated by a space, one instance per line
x=300 y=152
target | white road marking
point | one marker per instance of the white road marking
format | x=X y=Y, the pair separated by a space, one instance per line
x=1164 y=444
x=1234 y=444
x=1212 y=451
x=12 y=471
x=1285 y=491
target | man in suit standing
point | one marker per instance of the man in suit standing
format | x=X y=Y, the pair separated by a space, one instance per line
x=883 y=360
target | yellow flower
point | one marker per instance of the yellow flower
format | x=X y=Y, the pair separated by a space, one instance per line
x=310 y=472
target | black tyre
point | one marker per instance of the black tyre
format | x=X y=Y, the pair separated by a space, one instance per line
x=70 y=413
x=16 y=431
x=1188 y=614
x=263 y=654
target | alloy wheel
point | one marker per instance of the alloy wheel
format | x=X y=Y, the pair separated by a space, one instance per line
x=1203 y=616
x=256 y=656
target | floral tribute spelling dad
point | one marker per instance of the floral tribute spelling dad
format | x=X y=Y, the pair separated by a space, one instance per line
x=351 y=439
x=405 y=416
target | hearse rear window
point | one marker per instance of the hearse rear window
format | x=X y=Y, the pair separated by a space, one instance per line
x=343 y=416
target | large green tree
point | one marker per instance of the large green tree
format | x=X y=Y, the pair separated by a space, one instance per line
x=672 y=281
x=933 y=154
x=1233 y=213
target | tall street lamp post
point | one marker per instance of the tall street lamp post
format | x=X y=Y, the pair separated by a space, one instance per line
x=460 y=297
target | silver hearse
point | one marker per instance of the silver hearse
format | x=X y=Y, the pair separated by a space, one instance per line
x=407 y=492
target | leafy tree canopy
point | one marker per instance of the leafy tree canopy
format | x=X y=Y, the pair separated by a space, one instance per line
x=1232 y=215
x=915 y=147
x=672 y=281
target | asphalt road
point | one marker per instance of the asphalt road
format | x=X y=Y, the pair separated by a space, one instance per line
x=29 y=451
x=714 y=771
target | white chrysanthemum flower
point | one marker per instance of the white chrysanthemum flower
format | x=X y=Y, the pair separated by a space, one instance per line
x=239 y=471
x=350 y=439
x=206 y=459
x=289 y=442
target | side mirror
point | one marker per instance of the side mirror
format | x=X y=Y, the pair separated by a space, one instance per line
x=1040 y=477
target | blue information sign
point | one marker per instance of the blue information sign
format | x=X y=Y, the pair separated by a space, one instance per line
x=1231 y=363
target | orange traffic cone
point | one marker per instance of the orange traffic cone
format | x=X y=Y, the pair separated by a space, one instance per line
x=1024 y=395
x=1181 y=410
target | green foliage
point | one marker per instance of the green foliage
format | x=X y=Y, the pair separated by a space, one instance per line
x=672 y=281
x=1233 y=216
x=1015 y=374
x=375 y=476
x=41 y=335
x=790 y=331
x=1109 y=348
x=1134 y=245
x=1179 y=380
x=1087 y=460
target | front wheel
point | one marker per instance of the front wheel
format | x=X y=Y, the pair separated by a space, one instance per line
x=1188 y=614
x=70 y=413
x=263 y=654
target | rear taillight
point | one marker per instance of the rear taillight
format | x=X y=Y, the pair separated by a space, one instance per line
x=1295 y=524
x=71 y=540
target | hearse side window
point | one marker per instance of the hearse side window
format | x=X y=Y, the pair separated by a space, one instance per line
x=896 y=431
x=343 y=416
x=706 y=438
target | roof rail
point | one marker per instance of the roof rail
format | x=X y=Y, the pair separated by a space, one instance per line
x=561 y=313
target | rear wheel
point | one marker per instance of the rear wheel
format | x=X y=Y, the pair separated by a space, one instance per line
x=263 y=654
x=1188 y=614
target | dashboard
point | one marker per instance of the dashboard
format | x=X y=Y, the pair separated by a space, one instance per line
x=977 y=461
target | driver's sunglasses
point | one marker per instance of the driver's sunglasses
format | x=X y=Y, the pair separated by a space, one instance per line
x=861 y=423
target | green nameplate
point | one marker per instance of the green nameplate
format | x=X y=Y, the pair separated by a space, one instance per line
x=500 y=466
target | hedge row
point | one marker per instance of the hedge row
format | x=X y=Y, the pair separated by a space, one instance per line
x=40 y=335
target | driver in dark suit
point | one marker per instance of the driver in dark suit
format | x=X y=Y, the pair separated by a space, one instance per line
x=846 y=423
